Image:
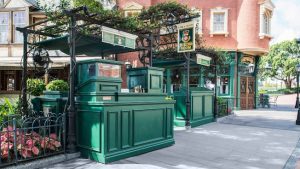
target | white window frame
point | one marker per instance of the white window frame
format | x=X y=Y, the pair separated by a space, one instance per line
x=198 y=20
x=266 y=10
x=212 y=14
x=15 y=25
x=132 y=7
x=8 y=28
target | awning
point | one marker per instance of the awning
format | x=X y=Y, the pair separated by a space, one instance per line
x=15 y=63
x=85 y=45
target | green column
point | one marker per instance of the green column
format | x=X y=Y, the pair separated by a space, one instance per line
x=257 y=60
x=201 y=77
x=183 y=79
x=168 y=76
x=238 y=87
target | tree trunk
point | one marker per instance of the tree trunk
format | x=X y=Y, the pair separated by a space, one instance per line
x=288 y=84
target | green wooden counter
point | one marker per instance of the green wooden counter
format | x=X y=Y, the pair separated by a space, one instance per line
x=112 y=125
x=112 y=130
x=201 y=107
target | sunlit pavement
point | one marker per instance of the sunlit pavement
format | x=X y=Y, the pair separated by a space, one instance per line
x=256 y=139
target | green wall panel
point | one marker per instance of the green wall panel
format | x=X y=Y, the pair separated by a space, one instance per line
x=208 y=106
x=148 y=125
x=88 y=123
x=113 y=131
x=197 y=107
x=125 y=128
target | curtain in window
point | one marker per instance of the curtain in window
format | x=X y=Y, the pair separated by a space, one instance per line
x=19 y=21
x=4 y=17
x=219 y=22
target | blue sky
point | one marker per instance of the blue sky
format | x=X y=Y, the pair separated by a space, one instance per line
x=286 y=20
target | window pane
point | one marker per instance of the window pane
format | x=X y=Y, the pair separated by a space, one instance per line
x=219 y=22
x=19 y=21
x=266 y=24
x=224 y=85
x=4 y=16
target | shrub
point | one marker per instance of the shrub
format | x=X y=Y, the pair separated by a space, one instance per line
x=57 y=85
x=7 y=109
x=36 y=86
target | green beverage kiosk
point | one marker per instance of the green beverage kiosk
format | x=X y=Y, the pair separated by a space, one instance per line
x=112 y=125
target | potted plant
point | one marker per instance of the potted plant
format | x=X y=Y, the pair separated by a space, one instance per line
x=35 y=87
x=57 y=89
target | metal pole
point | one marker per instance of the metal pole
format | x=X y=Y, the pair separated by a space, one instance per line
x=151 y=50
x=24 y=108
x=188 y=104
x=71 y=140
x=297 y=99
x=215 y=97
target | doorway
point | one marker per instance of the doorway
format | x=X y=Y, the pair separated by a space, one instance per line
x=247 y=92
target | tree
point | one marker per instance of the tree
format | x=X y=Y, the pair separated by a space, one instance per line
x=283 y=58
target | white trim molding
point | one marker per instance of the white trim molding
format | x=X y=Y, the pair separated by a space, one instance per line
x=214 y=11
x=265 y=16
x=132 y=7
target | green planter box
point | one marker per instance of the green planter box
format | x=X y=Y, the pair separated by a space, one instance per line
x=50 y=102
x=201 y=107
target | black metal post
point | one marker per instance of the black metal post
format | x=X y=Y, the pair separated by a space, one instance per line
x=188 y=103
x=151 y=50
x=215 y=97
x=24 y=107
x=297 y=99
x=71 y=140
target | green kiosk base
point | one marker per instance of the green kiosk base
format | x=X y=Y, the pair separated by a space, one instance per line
x=201 y=106
x=112 y=125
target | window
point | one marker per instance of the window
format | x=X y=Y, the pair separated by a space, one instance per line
x=219 y=21
x=4 y=22
x=132 y=9
x=266 y=12
x=132 y=13
x=18 y=21
x=224 y=85
x=266 y=24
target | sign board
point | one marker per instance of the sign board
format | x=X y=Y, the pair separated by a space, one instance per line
x=186 y=37
x=203 y=60
x=119 y=38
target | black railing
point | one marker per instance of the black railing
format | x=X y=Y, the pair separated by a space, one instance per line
x=24 y=139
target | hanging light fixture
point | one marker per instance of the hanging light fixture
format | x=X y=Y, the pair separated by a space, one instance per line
x=251 y=68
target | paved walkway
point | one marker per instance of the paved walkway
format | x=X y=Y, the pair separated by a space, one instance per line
x=259 y=139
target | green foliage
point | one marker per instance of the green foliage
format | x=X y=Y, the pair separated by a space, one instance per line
x=156 y=12
x=283 y=60
x=57 y=85
x=7 y=109
x=262 y=91
x=36 y=86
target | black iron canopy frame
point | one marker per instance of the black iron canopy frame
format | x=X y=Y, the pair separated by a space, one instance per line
x=79 y=22
x=74 y=23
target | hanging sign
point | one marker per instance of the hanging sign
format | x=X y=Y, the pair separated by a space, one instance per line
x=186 y=37
x=203 y=60
x=119 y=38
